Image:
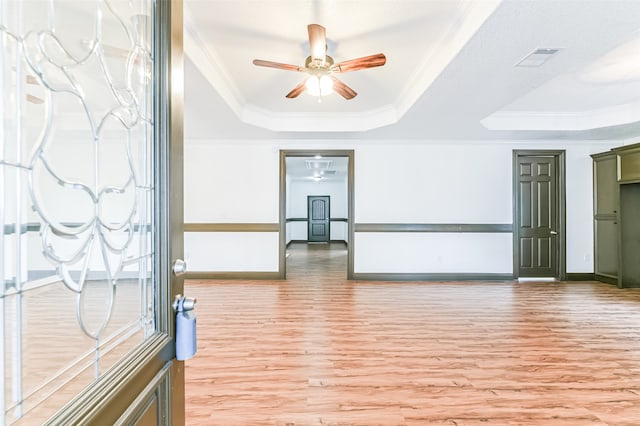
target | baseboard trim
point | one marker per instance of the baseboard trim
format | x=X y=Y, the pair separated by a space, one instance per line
x=235 y=275
x=605 y=279
x=431 y=277
x=580 y=276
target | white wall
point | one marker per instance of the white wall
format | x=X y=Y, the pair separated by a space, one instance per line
x=231 y=183
x=459 y=183
x=433 y=184
x=231 y=251
x=386 y=252
x=580 y=208
x=396 y=182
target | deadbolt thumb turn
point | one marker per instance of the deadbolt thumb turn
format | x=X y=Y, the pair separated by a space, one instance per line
x=179 y=267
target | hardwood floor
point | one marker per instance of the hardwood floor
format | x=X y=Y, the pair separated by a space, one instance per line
x=320 y=350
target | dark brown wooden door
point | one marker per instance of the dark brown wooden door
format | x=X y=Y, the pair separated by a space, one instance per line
x=318 y=217
x=537 y=216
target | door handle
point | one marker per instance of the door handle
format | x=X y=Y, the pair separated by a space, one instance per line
x=554 y=233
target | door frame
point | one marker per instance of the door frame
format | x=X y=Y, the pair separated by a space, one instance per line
x=350 y=154
x=561 y=246
x=328 y=212
x=148 y=383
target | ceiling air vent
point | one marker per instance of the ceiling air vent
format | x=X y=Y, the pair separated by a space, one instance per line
x=537 y=57
x=318 y=164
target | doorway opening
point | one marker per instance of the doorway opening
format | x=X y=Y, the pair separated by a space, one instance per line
x=539 y=237
x=320 y=180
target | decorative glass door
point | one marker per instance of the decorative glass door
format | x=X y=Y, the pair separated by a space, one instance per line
x=83 y=206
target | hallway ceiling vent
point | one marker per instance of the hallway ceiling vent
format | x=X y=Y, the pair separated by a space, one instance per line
x=318 y=164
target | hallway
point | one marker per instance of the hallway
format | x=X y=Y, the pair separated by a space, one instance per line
x=319 y=350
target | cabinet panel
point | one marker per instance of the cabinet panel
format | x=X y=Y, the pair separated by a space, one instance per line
x=606 y=198
x=606 y=256
x=606 y=208
x=630 y=165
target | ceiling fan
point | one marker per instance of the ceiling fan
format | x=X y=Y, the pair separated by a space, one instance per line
x=321 y=67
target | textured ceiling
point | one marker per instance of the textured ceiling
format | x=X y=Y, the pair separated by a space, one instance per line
x=450 y=69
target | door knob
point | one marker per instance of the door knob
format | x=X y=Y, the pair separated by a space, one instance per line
x=179 y=267
x=554 y=233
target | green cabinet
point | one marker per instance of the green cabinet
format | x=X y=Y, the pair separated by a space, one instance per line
x=616 y=216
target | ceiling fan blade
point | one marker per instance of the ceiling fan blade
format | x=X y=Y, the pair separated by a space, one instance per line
x=342 y=89
x=360 y=63
x=296 y=90
x=278 y=65
x=317 y=41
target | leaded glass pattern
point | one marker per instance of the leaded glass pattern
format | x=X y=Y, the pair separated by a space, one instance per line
x=76 y=182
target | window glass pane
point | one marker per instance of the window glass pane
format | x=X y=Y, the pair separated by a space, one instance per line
x=76 y=200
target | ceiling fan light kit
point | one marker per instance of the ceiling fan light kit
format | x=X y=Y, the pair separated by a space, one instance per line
x=321 y=68
x=319 y=85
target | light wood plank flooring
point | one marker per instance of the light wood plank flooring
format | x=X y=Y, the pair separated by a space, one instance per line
x=320 y=350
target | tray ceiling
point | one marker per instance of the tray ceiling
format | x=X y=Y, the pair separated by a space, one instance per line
x=451 y=65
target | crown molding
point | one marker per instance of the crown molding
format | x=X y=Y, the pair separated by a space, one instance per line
x=567 y=121
x=460 y=31
x=206 y=61
x=319 y=122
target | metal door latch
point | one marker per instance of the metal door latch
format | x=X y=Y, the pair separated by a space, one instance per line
x=186 y=339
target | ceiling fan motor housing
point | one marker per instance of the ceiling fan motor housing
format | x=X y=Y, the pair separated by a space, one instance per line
x=314 y=64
